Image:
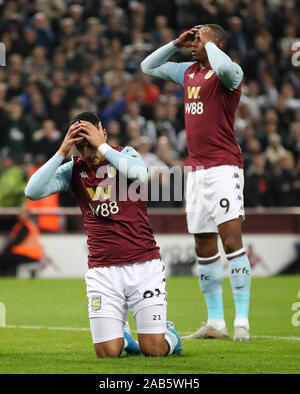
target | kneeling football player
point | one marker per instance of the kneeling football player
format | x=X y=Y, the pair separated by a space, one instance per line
x=125 y=267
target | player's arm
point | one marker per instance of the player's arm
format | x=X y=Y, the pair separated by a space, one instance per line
x=53 y=177
x=128 y=162
x=49 y=179
x=230 y=73
x=157 y=64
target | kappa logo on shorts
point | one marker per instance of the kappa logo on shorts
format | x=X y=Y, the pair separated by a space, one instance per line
x=96 y=302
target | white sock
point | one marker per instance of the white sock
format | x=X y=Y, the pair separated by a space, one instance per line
x=172 y=340
x=241 y=322
x=217 y=324
x=125 y=343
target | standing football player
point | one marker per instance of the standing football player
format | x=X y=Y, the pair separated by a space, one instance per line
x=214 y=192
x=125 y=267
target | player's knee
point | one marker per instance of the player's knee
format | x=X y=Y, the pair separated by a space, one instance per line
x=106 y=350
x=232 y=242
x=109 y=354
x=205 y=248
x=153 y=347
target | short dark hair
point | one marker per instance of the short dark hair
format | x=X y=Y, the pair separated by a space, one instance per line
x=220 y=33
x=87 y=116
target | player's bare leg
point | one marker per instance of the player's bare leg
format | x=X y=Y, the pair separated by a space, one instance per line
x=111 y=337
x=231 y=235
x=210 y=274
x=111 y=348
x=239 y=275
x=153 y=345
x=159 y=345
x=156 y=336
x=206 y=245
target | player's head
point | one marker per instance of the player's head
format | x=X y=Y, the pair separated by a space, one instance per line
x=220 y=35
x=89 y=153
x=199 y=53
x=87 y=116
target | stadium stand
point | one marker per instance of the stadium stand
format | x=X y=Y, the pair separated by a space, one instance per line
x=65 y=56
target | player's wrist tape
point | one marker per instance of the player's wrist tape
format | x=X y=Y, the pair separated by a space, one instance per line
x=103 y=148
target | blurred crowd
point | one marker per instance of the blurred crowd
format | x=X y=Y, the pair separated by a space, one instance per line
x=65 y=56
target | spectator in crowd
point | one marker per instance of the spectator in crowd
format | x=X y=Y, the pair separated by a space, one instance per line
x=37 y=115
x=293 y=141
x=258 y=188
x=133 y=112
x=160 y=26
x=57 y=107
x=144 y=146
x=144 y=91
x=253 y=146
x=54 y=9
x=133 y=131
x=12 y=183
x=114 y=137
x=16 y=135
x=118 y=71
x=286 y=185
x=44 y=33
x=47 y=140
x=165 y=152
x=160 y=125
x=237 y=40
x=275 y=151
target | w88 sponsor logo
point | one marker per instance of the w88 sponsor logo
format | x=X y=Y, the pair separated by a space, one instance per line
x=105 y=209
x=194 y=108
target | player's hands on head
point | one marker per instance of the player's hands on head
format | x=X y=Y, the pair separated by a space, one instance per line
x=95 y=136
x=206 y=34
x=70 y=139
x=186 y=38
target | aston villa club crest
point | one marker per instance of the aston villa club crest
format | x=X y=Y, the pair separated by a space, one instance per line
x=96 y=303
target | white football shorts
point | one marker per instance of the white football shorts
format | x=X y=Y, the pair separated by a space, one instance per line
x=214 y=196
x=139 y=287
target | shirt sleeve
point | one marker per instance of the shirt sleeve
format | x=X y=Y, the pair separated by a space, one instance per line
x=229 y=72
x=49 y=179
x=128 y=162
x=157 y=64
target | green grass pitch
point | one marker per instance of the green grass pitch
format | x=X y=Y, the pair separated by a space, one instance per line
x=40 y=314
